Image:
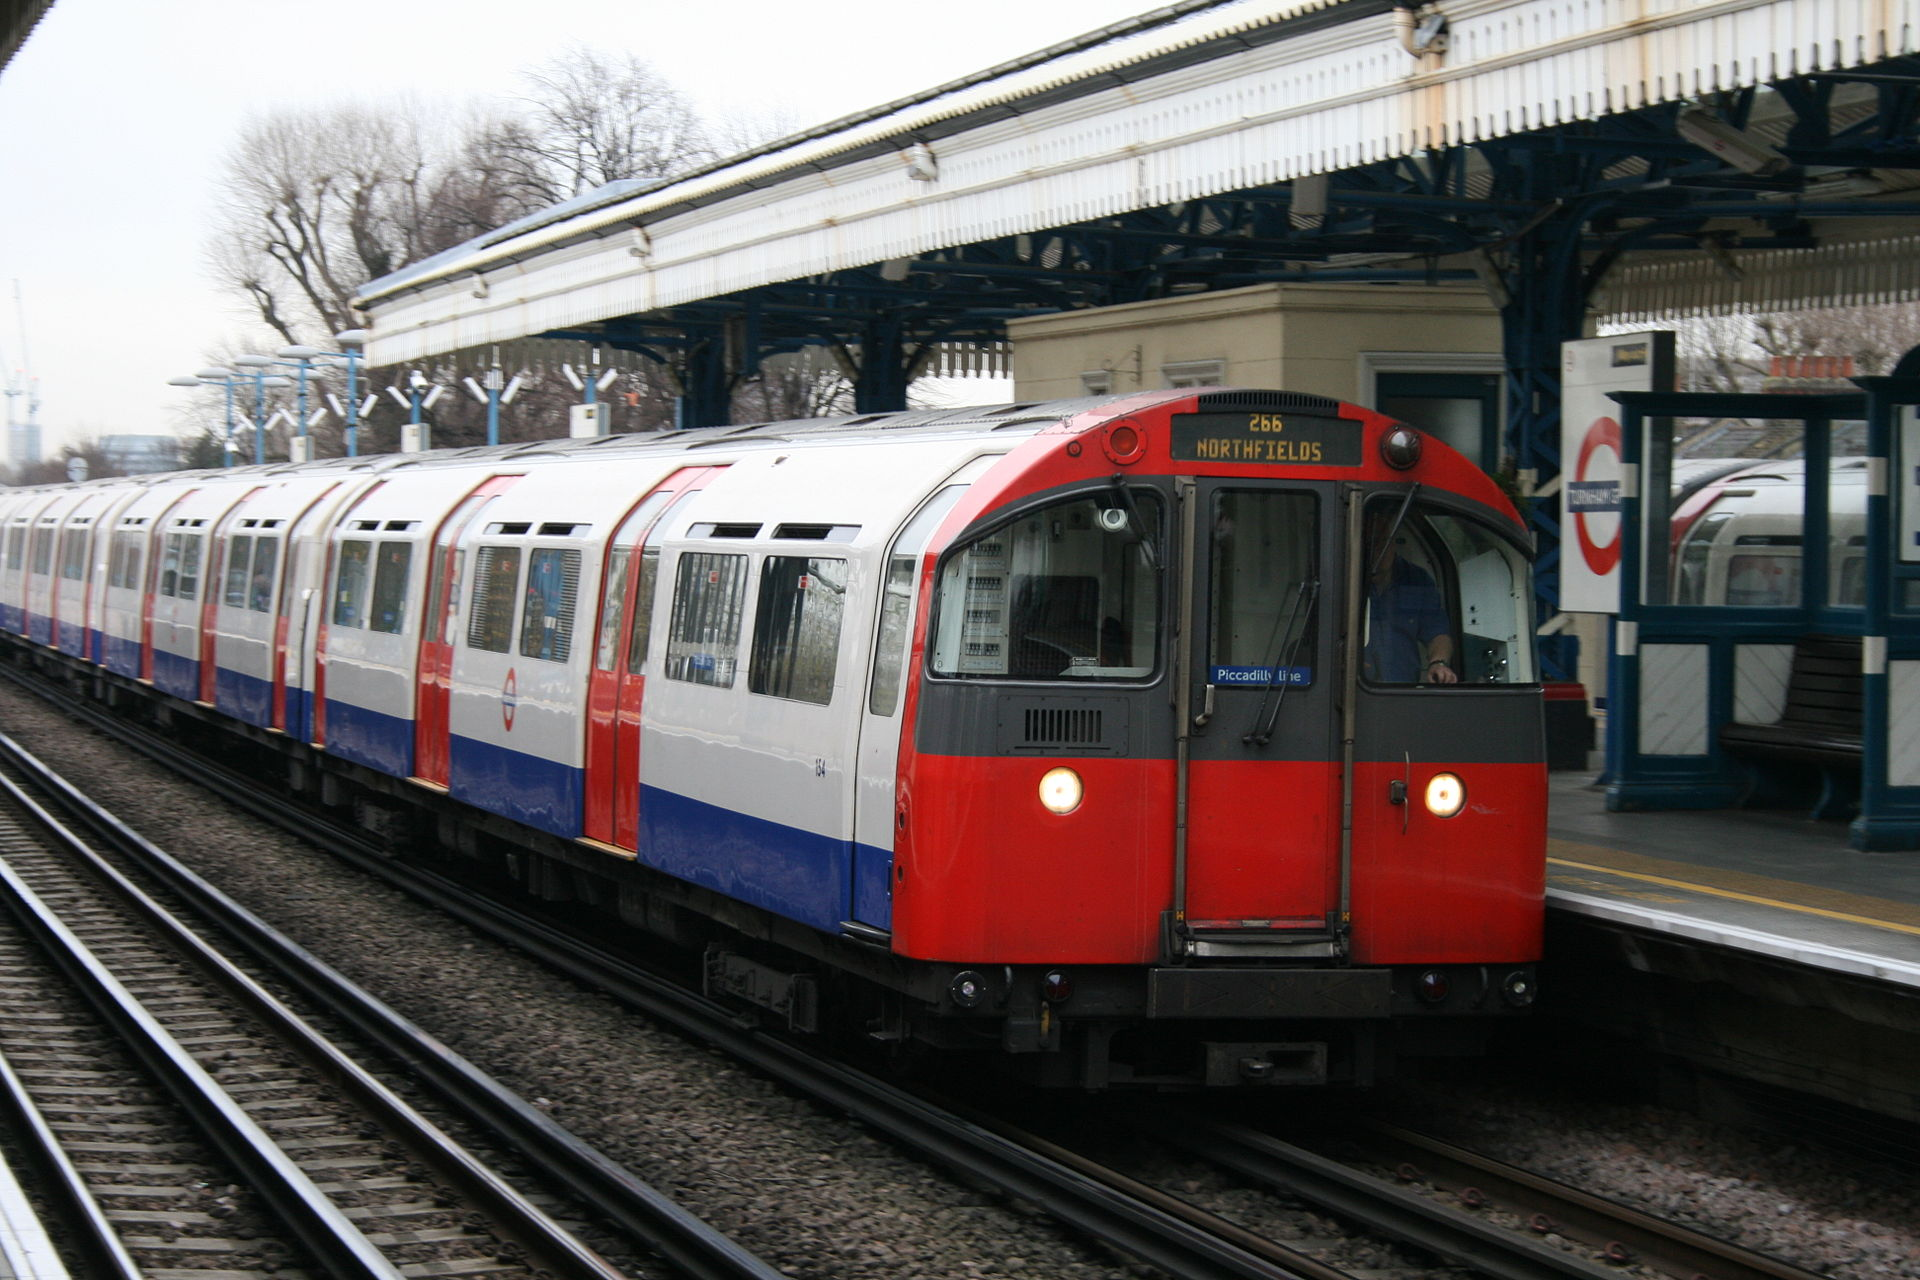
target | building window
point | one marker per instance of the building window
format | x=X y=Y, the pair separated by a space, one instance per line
x=703 y=638
x=553 y=590
x=1194 y=373
x=796 y=628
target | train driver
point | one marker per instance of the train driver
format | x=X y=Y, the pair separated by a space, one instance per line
x=1404 y=612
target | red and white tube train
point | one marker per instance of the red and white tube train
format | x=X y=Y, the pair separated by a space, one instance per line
x=1154 y=739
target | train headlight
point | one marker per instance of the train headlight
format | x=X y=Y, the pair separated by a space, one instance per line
x=1446 y=795
x=1060 y=790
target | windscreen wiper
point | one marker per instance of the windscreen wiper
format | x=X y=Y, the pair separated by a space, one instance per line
x=1280 y=675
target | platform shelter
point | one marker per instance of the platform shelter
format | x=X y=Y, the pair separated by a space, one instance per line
x=1767 y=648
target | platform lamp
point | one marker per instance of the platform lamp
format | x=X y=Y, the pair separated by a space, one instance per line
x=214 y=376
x=496 y=392
x=301 y=357
x=351 y=341
x=255 y=367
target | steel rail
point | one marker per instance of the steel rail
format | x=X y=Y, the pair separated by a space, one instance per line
x=692 y=1245
x=1619 y=1232
x=319 y=1224
x=1418 y=1220
x=1072 y=1197
x=63 y=1184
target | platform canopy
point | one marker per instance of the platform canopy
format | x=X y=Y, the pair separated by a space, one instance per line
x=1209 y=144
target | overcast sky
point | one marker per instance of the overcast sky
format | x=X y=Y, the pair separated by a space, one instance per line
x=115 y=116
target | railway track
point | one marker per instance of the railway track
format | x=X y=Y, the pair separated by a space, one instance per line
x=194 y=1117
x=1138 y=1220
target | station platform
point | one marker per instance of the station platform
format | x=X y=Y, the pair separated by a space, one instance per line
x=1766 y=882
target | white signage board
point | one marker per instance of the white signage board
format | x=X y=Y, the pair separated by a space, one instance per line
x=1590 y=457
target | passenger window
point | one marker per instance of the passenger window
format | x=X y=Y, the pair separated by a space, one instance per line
x=350 y=584
x=613 y=602
x=43 y=550
x=16 y=548
x=266 y=554
x=641 y=634
x=496 y=579
x=188 y=587
x=1264 y=587
x=613 y=596
x=703 y=638
x=170 y=565
x=1446 y=596
x=896 y=603
x=796 y=628
x=1066 y=592
x=389 y=612
x=239 y=567
x=73 y=554
x=553 y=588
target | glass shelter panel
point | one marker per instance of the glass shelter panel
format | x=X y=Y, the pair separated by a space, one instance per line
x=1731 y=501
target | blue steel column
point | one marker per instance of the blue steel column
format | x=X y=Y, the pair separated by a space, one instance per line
x=706 y=399
x=882 y=384
x=1540 y=268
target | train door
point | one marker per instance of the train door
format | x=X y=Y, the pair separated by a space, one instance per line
x=435 y=668
x=617 y=685
x=217 y=550
x=876 y=782
x=155 y=577
x=1257 y=869
x=1447 y=758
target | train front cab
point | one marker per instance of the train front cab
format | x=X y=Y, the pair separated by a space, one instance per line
x=1206 y=879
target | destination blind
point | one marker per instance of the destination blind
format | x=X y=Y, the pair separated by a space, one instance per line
x=1286 y=439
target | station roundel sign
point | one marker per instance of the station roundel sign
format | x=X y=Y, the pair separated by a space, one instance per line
x=1594 y=496
x=509 y=699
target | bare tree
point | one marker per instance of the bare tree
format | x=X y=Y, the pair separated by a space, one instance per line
x=588 y=120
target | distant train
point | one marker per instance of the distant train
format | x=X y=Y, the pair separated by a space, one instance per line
x=1093 y=735
x=1737 y=532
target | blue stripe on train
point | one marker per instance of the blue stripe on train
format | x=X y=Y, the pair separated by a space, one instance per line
x=527 y=788
x=798 y=874
x=176 y=675
x=40 y=629
x=245 y=697
x=373 y=738
x=123 y=656
x=70 y=636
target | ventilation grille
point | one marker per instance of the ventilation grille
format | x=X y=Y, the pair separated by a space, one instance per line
x=1271 y=401
x=1062 y=726
x=1072 y=726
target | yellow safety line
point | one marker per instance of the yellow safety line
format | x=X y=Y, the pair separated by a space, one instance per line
x=1737 y=897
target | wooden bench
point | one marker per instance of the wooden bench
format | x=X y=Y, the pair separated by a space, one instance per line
x=1821 y=726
